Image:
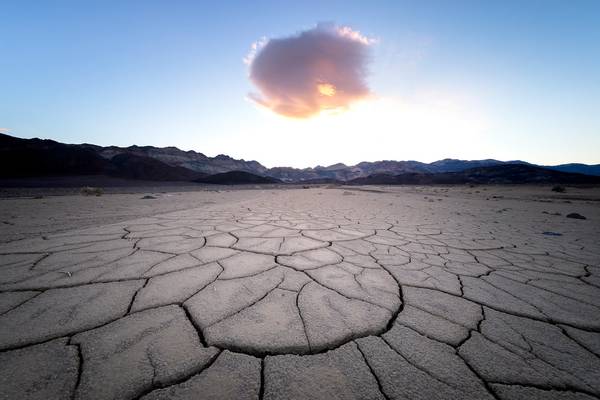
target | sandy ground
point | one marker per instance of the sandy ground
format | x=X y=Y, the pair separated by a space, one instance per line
x=27 y=213
x=329 y=292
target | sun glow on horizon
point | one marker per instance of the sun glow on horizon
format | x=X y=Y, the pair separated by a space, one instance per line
x=426 y=127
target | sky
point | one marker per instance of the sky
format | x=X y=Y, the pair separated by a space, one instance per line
x=308 y=83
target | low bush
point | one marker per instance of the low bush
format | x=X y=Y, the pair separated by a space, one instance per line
x=91 y=191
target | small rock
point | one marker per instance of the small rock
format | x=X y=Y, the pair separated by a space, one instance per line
x=551 y=233
x=148 y=197
x=576 y=216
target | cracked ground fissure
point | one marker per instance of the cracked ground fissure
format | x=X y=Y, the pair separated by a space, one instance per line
x=287 y=285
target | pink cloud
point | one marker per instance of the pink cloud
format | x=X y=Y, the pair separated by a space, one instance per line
x=319 y=69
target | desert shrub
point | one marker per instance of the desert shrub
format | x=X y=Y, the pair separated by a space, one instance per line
x=91 y=191
x=559 y=189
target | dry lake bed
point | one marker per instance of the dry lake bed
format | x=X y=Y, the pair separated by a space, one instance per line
x=320 y=293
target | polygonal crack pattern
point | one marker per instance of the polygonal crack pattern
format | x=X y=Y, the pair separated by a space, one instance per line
x=363 y=296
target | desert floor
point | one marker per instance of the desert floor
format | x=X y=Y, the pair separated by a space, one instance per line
x=290 y=293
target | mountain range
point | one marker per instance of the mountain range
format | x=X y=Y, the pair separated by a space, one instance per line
x=21 y=158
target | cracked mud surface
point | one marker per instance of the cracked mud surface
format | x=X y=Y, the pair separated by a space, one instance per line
x=320 y=293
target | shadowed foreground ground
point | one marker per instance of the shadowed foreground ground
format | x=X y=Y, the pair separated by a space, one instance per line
x=362 y=293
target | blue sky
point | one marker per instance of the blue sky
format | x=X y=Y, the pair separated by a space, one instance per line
x=505 y=80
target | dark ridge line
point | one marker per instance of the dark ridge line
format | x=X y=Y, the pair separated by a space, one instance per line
x=358 y=265
x=98 y=278
x=23 y=346
x=79 y=367
x=39 y=260
x=457 y=248
x=470 y=331
x=57 y=270
x=45 y=289
x=302 y=318
x=76 y=251
x=513 y=313
x=440 y=316
x=143 y=274
x=44 y=237
x=182 y=379
x=286 y=352
x=336 y=240
x=246 y=307
x=545 y=253
x=343 y=319
x=236 y=237
x=400 y=308
x=589 y=274
x=304 y=269
x=548 y=318
x=182 y=302
x=151 y=361
x=530 y=350
x=418 y=367
x=485 y=383
x=199 y=332
x=428 y=336
x=461 y=287
x=78 y=246
x=345 y=296
x=556 y=367
x=135 y=295
x=76 y=332
x=553 y=292
x=262 y=354
x=358 y=282
x=127 y=232
x=261 y=390
x=251 y=275
x=551 y=273
x=146 y=274
x=567 y=388
x=379 y=385
x=580 y=344
x=23 y=302
x=142 y=277
x=265 y=253
x=464 y=360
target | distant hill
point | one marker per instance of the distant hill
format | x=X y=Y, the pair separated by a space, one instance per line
x=186 y=159
x=26 y=158
x=23 y=158
x=342 y=172
x=236 y=178
x=496 y=174
x=133 y=166
x=578 y=168
x=37 y=157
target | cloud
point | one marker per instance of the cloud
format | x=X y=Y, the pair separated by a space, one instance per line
x=4 y=130
x=319 y=69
